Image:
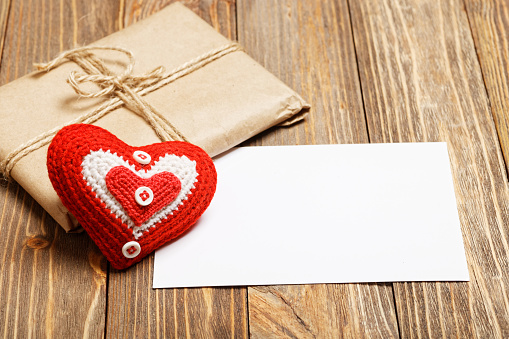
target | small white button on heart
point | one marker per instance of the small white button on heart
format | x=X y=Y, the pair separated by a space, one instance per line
x=131 y=249
x=141 y=157
x=144 y=196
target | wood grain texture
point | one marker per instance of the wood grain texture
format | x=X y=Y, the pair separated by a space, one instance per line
x=38 y=30
x=489 y=21
x=322 y=311
x=133 y=306
x=309 y=46
x=421 y=81
x=4 y=13
x=52 y=284
x=221 y=14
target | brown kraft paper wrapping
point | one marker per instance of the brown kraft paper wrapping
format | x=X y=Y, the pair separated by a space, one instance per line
x=215 y=107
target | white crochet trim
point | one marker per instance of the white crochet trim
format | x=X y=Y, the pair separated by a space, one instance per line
x=98 y=163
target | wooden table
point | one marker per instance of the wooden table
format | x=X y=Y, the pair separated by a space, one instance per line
x=374 y=71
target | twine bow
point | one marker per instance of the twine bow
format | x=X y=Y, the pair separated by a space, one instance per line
x=124 y=89
x=125 y=86
x=110 y=83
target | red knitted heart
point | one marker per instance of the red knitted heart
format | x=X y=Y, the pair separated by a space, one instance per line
x=123 y=184
x=130 y=200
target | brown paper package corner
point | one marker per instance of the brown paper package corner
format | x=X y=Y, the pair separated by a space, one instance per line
x=216 y=107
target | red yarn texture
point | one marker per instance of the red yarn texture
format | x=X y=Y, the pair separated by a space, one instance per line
x=123 y=183
x=64 y=161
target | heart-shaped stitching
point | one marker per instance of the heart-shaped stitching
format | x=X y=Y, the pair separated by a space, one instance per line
x=161 y=189
x=97 y=164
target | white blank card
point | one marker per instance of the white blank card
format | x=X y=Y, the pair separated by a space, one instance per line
x=323 y=214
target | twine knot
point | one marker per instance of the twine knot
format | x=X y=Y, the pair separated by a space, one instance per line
x=111 y=83
x=125 y=86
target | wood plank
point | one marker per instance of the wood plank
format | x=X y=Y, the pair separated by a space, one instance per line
x=421 y=81
x=133 y=306
x=38 y=30
x=310 y=47
x=4 y=12
x=52 y=284
x=489 y=21
x=218 y=13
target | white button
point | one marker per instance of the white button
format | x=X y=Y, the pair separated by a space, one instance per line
x=131 y=249
x=144 y=196
x=141 y=157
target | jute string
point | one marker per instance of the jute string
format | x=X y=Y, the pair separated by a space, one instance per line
x=124 y=89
